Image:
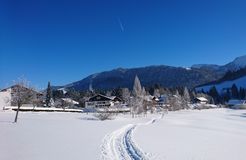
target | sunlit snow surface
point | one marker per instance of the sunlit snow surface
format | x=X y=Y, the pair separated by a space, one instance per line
x=205 y=134
x=196 y=135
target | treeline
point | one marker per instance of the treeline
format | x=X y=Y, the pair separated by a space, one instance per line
x=155 y=90
x=226 y=94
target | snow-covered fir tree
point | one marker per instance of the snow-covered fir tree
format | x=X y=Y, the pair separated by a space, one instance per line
x=186 y=98
x=48 y=100
x=137 y=100
x=137 y=88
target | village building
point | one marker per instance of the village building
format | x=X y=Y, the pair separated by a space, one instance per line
x=201 y=100
x=100 y=101
x=161 y=101
x=7 y=95
x=66 y=103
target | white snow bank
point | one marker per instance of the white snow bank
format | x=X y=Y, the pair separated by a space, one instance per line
x=44 y=109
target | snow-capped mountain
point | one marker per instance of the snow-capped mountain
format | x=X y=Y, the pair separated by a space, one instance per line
x=238 y=63
x=166 y=76
x=233 y=77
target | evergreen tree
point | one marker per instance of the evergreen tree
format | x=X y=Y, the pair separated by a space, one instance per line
x=234 y=91
x=193 y=95
x=214 y=94
x=242 y=93
x=202 y=91
x=48 y=100
x=226 y=95
x=57 y=94
x=72 y=93
x=117 y=92
x=137 y=88
x=186 y=97
x=137 y=102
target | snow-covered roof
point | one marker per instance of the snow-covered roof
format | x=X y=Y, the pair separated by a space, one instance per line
x=202 y=99
x=16 y=85
x=148 y=98
x=112 y=97
x=69 y=100
x=188 y=69
x=175 y=96
x=100 y=97
x=156 y=99
x=63 y=90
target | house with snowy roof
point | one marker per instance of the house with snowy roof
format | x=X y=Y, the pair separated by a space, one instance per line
x=161 y=101
x=201 y=100
x=66 y=103
x=100 y=101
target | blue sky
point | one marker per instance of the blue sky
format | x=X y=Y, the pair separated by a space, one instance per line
x=65 y=41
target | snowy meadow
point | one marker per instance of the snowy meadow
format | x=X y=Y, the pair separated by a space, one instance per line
x=188 y=134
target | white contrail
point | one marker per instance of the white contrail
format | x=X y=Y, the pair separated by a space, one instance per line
x=121 y=25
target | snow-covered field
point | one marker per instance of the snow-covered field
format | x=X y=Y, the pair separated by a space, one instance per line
x=63 y=136
x=196 y=135
x=206 y=134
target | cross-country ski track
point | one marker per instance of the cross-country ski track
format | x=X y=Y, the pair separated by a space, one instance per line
x=119 y=145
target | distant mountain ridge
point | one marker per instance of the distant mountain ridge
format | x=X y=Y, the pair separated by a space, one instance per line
x=164 y=75
x=236 y=64
x=167 y=76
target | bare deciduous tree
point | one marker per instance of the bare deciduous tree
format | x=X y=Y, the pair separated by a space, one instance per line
x=36 y=99
x=126 y=94
x=176 y=102
x=104 y=114
x=21 y=94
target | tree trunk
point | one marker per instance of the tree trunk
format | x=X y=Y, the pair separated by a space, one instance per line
x=17 y=112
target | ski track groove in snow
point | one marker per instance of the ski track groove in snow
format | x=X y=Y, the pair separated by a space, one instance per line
x=119 y=145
